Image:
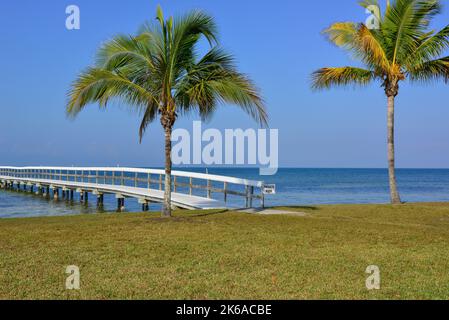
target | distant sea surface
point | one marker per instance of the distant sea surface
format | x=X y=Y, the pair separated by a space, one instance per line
x=293 y=187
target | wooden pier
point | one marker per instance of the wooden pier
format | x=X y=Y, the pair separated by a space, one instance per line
x=190 y=190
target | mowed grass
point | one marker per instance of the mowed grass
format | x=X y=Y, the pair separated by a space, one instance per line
x=227 y=255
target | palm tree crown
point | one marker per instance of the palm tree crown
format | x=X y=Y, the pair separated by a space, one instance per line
x=160 y=74
x=401 y=48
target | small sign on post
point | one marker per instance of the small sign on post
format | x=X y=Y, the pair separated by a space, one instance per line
x=269 y=189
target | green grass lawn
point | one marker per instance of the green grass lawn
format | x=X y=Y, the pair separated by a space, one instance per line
x=226 y=255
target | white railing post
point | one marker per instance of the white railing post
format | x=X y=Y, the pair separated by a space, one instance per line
x=209 y=191
x=225 y=192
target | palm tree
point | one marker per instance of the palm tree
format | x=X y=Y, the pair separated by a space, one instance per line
x=159 y=73
x=401 y=48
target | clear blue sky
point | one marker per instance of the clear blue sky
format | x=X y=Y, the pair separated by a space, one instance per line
x=278 y=43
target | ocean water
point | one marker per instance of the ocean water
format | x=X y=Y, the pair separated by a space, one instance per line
x=293 y=187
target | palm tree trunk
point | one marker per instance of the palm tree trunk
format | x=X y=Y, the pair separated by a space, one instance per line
x=394 y=194
x=166 y=208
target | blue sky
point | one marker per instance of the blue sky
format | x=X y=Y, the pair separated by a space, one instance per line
x=277 y=43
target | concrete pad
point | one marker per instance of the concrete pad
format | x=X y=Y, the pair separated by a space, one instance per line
x=263 y=211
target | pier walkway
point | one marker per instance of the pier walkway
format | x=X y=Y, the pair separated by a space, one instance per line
x=190 y=190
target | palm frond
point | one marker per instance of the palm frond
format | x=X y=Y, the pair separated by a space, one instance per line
x=187 y=31
x=213 y=81
x=431 y=46
x=99 y=85
x=326 y=78
x=364 y=44
x=124 y=51
x=372 y=48
x=431 y=71
x=404 y=23
x=149 y=115
x=343 y=34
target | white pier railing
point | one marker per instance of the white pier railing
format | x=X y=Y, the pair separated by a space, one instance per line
x=191 y=190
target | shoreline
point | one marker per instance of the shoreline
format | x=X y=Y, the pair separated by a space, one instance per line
x=285 y=208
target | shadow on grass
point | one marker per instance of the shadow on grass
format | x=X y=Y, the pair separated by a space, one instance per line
x=186 y=216
x=206 y=214
x=295 y=208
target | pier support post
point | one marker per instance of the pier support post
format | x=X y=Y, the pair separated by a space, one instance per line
x=225 y=192
x=46 y=192
x=120 y=202
x=100 y=198
x=56 y=193
x=145 y=204
x=209 y=190
x=251 y=194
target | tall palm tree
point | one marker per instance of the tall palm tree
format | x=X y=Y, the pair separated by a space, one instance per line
x=401 y=48
x=159 y=73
